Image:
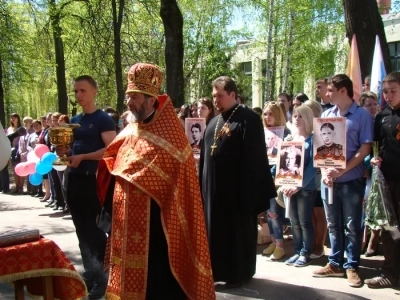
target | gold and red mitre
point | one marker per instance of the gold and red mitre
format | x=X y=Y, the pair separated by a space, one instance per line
x=144 y=78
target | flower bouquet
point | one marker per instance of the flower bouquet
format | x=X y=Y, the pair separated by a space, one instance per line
x=380 y=212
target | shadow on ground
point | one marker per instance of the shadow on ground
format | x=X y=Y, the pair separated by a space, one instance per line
x=273 y=290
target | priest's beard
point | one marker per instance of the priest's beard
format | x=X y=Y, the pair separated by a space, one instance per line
x=137 y=115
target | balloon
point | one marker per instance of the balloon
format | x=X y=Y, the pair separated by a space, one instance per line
x=49 y=157
x=30 y=167
x=40 y=150
x=5 y=148
x=35 y=179
x=32 y=157
x=43 y=168
x=21 y=169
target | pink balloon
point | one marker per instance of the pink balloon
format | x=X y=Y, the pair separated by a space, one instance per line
x=40 y=150
x=30 y=167
x=21 y=169
x=32 y=157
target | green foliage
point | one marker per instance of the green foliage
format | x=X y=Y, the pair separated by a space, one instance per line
x=210 y=36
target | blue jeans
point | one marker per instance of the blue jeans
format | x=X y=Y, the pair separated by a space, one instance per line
x=301 y=212
x=275 y=223
x=344 y=221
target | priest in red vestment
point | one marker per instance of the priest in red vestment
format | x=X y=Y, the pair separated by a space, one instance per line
x=159 y=247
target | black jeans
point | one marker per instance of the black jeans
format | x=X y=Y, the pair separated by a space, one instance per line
x=391 y=249
x=85 y=206
x=4 y=179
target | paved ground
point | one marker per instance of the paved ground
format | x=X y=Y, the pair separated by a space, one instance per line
x=274 y=280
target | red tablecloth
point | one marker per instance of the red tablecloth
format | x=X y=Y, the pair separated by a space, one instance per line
x=30 y=261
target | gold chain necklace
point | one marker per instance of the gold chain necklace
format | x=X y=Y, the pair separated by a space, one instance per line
x=224 y=128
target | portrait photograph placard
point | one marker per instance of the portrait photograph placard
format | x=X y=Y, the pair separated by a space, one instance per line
x=289 y=168
x=194 y=130
x=273 y=141
x=330 y=142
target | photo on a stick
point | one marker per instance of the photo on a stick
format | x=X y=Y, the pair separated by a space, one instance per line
x=289 y=168
x=194 y=130
x=330 y=142
x=273 y=141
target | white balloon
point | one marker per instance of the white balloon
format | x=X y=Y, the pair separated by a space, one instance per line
x=5 y=148
x=32 y=156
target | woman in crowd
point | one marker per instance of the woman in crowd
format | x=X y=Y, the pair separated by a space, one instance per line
x=369 y=101
x=299 y=99
x=273 y=116
x=193 y=110
x=184 y=113
x=302 y=199
x=15 y=123
x=205 y=109
x=319 y=219
x=63 y=120
x=23 y=151
x=33 y=139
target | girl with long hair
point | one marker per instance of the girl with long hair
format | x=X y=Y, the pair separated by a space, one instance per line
x=303 y=199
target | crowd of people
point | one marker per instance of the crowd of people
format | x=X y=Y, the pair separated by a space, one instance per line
x=178 y=229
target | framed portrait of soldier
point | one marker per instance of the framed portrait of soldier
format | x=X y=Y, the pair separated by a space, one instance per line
x=194 y=129
x=289 y=167
x=273 y=140
x=330 y=142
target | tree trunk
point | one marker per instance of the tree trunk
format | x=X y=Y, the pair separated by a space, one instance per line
x=173 y=28
x=2 y=107
x=289 y=52
x=117 y=23
x=363 y=19
x=268 y=82
x=60 y=62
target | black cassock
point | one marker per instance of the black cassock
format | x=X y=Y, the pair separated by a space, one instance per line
x=236 y=186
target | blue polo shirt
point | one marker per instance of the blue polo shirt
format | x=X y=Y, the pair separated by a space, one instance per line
x=359 y=130
x=88 y=138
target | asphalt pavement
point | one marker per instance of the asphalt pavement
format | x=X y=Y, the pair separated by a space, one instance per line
x=273 y=280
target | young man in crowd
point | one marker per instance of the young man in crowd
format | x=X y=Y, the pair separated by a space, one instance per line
x=345 y=213
x=387 y=134
x=321 y=87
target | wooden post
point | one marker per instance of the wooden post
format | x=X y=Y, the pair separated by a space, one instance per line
x=19 y=290
x=47 y=288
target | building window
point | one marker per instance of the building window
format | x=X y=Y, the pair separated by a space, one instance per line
x=247 y=68
x=394 y=49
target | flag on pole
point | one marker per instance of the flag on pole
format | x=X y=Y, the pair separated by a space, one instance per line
x=378 y=72
x=354 y=69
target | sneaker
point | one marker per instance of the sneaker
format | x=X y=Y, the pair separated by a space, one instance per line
x=353 y=278
x=278 y=254
x=269 y=250
x=316 y=256
x=292 y=260
x=302 y=261
x=380 y=282
x=328 y=271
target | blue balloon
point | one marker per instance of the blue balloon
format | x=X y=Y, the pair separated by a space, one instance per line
x=43 y=167
x=49 y=158
x=35 y=179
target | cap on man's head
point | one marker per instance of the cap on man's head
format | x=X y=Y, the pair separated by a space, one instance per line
x=144 y=78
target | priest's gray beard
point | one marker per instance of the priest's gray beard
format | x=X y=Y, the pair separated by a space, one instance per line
x=138 y=115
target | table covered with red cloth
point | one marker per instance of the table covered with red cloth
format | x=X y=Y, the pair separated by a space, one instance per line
x=31 y=261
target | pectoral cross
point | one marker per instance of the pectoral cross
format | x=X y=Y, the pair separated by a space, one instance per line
x=213 y=147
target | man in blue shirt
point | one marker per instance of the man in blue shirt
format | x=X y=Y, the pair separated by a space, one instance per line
x=97 y=131
x=345 y=213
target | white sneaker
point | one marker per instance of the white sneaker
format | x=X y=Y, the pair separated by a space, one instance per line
x=314 y=256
